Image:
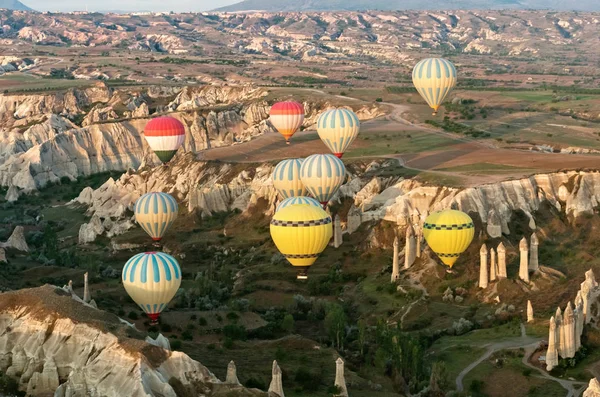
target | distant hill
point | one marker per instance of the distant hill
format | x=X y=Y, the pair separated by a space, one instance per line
x=14 y=5
x=354 y=5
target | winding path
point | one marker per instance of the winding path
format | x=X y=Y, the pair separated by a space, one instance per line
x=530 y=344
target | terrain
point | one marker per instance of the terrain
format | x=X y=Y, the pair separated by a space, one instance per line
x=13 y=5
x=311 y=5
x=516 y=146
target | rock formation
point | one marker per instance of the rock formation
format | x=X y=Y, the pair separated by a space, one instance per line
x=419 y=241
x=395 y=261
x=593 y=389
x=569 y=329
x=483 y=267
x=523 y=265
x=12 y=194
x=589 y=289
x=160 y=341
x=86 y=289
x=552 y=352
x=494 y=224
x=493 y=265
x=530 y=318
x=579 y=320
x=410 y=248
x=501 y=261
x=340 y=380
x=337 y=232
x=3 y=256
x=276 y=385
x=50 y=336
x=231 y=378
x=533 y=253
x=560 y=335
x=16 y=240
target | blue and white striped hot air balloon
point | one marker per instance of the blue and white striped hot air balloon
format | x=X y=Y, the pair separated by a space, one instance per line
x=297 y=200
x=151 y=279
x=322 y=175
x=286 y=178
x=338 y=128
x=155 y=212
x=434 y=78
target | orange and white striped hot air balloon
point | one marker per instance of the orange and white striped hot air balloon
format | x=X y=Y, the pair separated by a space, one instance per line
x=287 y=117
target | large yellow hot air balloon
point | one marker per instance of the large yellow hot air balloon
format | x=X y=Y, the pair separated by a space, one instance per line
x=155 y=212
x=301 y=232
x=434 y=78
x=151 y=279
x=448 y=233
x=286 y=178
x=322 y=175
x=338 y=128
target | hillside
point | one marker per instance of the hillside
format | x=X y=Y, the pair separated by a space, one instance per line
x=14 y=5
x=339 y=5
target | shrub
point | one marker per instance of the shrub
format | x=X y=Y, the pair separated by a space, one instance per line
x=175 y=344
x=202 y=321
x=187 y=335
x=254 y=383
x=307 y=380
x=164 y=327
x=133 y=315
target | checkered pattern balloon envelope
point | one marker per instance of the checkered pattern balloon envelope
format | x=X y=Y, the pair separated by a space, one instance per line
x=448 y=233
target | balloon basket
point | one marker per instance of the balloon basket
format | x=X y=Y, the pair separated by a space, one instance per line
x=157 y=244
x=153 y=318
x=302 y=274
x=287 y=142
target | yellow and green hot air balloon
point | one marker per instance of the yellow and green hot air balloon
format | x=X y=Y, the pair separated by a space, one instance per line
x=286 y=178
x=155 y=212
x=338 y=128
x=434 y=78
x=448 y=233
x=152 y=279
x=322 y=175
x=301 y=233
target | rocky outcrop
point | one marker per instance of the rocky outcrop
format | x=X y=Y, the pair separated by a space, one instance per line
x=212 y=187
x=593 y=389
x=17 y=240
x=276 y=386
x=50 y=336
x=395 y=261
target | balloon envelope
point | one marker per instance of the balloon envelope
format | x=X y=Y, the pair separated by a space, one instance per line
x=155 y=212
x=287 y=117
x=286 y=178
x=297 y=200
x=322 y=175
x=448 y=233
x=301 y=233
x=434 y=78
x=151 y=279
x=338 y=128
x=165 y=135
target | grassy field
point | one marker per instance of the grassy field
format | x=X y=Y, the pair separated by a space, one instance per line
x=22 y=82
x=485 y=169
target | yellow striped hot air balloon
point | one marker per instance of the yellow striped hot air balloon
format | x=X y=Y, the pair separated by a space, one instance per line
x=151 y=279
x=301 y=233
x=448 y=233
x=338 y=128
x=434 y=78
x=287 y=117
x=322 y=175
x=155 y=212
x=286 y=178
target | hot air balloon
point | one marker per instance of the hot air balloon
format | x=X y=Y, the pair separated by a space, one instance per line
x=338 y=128
x=287 y=117
x=434 y=78
x=301 y=233
x=155 y=212
x=151 y=279
x=322 y=175
x=286 y=178
x=448 y=233
x=297 y=200
x=165 y=135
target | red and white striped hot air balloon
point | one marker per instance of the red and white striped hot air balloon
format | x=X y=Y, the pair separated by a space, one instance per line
x=165 y=135
x=287 y=117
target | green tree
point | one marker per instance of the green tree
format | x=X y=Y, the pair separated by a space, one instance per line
x=439 y=380
x=287 y=324
x=335 y=323
x=362 y=336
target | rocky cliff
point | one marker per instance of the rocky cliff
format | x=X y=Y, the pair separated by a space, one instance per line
x=40 y=145
x=214 y=187
x=55 y=345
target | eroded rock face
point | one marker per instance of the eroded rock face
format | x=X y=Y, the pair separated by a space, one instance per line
x=50 y=336
x=209 y=188
x=593 y=389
